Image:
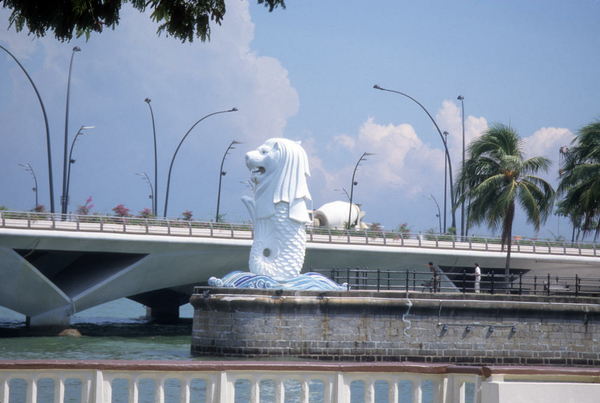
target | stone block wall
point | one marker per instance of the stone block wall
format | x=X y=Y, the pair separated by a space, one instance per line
x=393 y=326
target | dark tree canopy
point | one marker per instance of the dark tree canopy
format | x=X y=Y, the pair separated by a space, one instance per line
x=182 y=19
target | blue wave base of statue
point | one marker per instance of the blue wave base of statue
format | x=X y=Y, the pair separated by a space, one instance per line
x=304 y=282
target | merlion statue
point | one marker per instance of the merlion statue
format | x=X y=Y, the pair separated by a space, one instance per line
x=279 y=169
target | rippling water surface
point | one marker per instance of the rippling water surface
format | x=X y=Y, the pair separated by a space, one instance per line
x=115 y=330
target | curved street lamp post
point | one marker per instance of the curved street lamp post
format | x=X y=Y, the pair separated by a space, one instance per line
x=72 y=161
x=377 y=87
x=175 y=154
x=445 y=178
x=29 y=169
x=222 y=174
x=462 y=207
x=47 y=130
x=362 y=158
x=64 y=197
x=154 y=195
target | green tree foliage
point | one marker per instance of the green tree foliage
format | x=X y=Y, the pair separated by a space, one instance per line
x=496 y=177
x=182 y=19
x=580 y=182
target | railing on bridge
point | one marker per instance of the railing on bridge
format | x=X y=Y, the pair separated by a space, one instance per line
x=160 y=226
x=278 y=382
x=493 y=282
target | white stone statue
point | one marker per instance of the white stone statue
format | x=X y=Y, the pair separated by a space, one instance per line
x=279 y=169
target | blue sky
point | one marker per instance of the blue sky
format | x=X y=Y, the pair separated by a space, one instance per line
x=305 y=73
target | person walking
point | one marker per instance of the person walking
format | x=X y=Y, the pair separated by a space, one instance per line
x=477 y=278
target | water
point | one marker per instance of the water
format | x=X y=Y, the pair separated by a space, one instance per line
x=118 y=330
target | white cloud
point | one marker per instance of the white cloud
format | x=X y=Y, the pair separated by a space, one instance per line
x=547 y=141
x=344 y=141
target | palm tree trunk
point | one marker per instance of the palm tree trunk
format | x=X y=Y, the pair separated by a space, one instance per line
x=507 y=267
x=507 y=239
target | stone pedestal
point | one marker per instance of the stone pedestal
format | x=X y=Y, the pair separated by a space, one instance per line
x=394 y=326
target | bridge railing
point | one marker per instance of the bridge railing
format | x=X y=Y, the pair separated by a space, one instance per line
x=163 y=226
x=492 y=282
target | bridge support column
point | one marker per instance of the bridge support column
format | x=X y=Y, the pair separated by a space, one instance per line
x=163 y=314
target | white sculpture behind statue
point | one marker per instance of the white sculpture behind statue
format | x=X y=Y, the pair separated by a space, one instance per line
x=279 y=169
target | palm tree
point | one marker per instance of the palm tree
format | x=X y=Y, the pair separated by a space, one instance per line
x=580 y=182
x=496 y=177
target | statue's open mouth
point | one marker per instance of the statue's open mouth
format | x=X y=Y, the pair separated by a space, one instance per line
x=258 y=171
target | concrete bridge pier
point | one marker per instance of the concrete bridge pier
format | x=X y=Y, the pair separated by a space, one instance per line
x=162 y=306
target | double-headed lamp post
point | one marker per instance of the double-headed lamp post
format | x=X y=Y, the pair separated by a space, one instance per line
x=179 y=146
x=65 y=168
x=72 y=161
x=377 y=87
x=222 y=174
x=29 y=169
x=438 y=215
x=145 y=176
x=362 y=158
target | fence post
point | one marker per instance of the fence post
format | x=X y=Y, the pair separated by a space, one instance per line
x=533 y=244
x=348 y=277
x=437 y=244
x=534 y=285
x=406 y=280
x=492 y=274
x=401 y=239
x=464 y=281
x=384 y=239
x=486 y=244
x=520 y=282
x=548 y=285
x=576 y=285
x=124 y=225
x=77 y=221
x=378 y=278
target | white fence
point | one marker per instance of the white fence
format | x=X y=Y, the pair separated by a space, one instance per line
x=279 y=382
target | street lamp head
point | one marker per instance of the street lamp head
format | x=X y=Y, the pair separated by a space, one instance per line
x=355 y=183
x=223 y=173
x=147 y=100
x=460 y=98
x=76 y=49
x=233 y=110
x=87 y=127
x=377 y=87
x=446 y=134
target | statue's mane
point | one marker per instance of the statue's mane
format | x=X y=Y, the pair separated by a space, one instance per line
x=287 y=183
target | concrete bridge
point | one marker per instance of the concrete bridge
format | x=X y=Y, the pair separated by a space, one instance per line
x=52 y=268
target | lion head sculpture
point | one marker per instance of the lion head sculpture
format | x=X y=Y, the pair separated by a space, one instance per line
x=279 y=169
